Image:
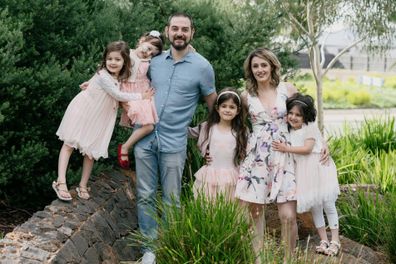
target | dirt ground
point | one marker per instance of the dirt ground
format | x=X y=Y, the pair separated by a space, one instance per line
x=11 y=217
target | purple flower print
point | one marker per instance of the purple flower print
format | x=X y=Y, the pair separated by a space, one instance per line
x=264 y=146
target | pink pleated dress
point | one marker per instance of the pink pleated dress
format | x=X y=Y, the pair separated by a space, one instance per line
x=89 y=120
x=143 y=111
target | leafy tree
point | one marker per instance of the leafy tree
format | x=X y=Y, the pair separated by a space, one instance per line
x=309 y=19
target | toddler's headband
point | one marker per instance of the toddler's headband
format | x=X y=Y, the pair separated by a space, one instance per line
x=300 y=102
x=155 y=34
x=228 y=92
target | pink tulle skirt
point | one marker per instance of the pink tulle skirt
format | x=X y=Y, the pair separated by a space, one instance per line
x=212 y=182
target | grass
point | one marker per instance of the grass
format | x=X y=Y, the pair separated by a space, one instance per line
x=370 y=219
x=203 y=232
x=367 y=156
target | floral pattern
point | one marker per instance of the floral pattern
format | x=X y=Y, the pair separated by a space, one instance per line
x=267 y=176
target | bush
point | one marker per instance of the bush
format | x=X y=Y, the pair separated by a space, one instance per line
x=359 y=98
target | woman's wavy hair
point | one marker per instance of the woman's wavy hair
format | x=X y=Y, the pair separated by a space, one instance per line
x=305 y=104
x=239 y=128
x=123 y=48
x=268 y=55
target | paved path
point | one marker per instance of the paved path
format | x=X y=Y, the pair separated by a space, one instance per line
x=335 y=119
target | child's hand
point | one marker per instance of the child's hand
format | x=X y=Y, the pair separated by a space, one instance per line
x=148 y=93
x=84 y=85
x=207 y=157
x=279 y=146
x=191 y=48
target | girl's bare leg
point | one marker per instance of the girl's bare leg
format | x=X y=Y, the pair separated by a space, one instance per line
x=288 y=217
x=137 y=135
x=86 y=171
x=63 y=162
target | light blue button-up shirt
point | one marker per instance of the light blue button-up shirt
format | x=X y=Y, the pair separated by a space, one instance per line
x=178 y=87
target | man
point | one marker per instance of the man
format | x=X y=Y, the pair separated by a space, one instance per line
x=179 y=77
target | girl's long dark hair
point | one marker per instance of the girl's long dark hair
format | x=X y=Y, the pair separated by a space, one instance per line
x=123 y=48
x=238 y=124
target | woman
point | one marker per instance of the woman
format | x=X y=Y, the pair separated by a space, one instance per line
x=266 y=175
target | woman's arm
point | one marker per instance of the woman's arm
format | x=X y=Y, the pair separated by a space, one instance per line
x=291 y=89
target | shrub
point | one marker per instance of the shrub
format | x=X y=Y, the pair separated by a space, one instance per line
x=359 y=98
x=202 y=232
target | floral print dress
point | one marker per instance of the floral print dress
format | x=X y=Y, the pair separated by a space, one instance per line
x=266 y=175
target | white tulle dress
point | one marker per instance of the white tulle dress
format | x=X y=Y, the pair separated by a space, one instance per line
x=316 y=183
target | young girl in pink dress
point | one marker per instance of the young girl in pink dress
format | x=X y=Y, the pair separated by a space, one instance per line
x=317 y=184
x=88 y=122
x=224 y=137
x=140 y=112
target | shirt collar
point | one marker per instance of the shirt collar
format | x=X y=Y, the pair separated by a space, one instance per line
x=187 y=58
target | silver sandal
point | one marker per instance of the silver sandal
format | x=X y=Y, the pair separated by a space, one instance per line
x=333 y=249
x=323 y=245
x=55 y=186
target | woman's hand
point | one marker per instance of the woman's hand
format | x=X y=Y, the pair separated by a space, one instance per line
x=279 y=146
x=324 y=154
x=148 y=93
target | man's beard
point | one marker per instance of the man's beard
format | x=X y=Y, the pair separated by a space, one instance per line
x=180 y=46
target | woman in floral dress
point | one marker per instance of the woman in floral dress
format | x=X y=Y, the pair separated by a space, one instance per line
x=266 y=175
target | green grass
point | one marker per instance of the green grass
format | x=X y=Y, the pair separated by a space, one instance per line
x=367 y=156
x=203 y=232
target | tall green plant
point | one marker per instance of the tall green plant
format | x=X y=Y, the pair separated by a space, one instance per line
x=203 y=232
x=361 y=218
x=378 y=134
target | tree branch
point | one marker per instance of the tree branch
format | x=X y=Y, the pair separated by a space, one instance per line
x=334 y=60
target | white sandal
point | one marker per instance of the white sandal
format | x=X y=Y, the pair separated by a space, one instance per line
x=83 y=192
x=323 y=245
x=333 y=249
x=55 y=186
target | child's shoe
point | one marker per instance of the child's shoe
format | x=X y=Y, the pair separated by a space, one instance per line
x=83 y=192
x=62 y=193
x=323 y=245
x=333 y=249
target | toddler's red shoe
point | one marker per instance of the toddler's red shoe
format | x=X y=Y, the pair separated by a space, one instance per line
x=123 y=163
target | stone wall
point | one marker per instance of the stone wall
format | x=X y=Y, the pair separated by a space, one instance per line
x=81 y=231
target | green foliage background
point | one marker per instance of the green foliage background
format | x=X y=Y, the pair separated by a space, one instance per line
x=49 y=47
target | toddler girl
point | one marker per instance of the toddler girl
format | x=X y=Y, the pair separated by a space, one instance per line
x=89 y=119
x=224 y=135
x=317 y=184
x=141 y=112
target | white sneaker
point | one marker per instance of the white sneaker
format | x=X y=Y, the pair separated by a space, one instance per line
x=148 y=258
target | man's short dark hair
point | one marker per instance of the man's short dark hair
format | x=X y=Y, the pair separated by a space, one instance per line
x=181 y=14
